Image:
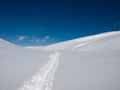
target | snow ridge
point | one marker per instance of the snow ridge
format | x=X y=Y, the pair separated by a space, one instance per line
x=75 y=43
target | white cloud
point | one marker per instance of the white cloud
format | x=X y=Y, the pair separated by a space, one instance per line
x=43 y=40
x=47 y=37
x=40 y=40
x=21 y=38
x=32 y=40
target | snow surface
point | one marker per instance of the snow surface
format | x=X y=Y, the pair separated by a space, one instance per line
x=88 y=63
x=99 y=41
x=43 y=79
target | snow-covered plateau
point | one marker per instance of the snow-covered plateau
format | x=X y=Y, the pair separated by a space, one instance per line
x=87 y=63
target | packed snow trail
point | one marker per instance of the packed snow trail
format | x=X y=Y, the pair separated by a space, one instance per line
x=43 y=79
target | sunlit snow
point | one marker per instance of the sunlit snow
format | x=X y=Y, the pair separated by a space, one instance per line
x=43 y=79
x=88 y=63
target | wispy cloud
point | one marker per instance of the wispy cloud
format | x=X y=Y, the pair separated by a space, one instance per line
x=40 y=40
x=21 y=38
x=31 y=40
x=45 y=38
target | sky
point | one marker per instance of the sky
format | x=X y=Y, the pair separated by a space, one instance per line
x=44 y=22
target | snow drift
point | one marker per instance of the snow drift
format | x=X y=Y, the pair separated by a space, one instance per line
x=88 y=63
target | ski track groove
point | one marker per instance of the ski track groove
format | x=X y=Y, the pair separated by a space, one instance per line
x=43 y=79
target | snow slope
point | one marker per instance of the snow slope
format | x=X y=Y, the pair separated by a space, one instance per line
x=104 y=40
x=88 y=63
x=18 y=64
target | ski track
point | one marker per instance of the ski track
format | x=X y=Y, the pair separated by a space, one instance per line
x=43 y=79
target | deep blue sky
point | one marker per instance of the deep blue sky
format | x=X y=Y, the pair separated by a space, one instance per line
x=42 y=22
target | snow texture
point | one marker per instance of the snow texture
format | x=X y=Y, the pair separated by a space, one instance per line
x=88 y=63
